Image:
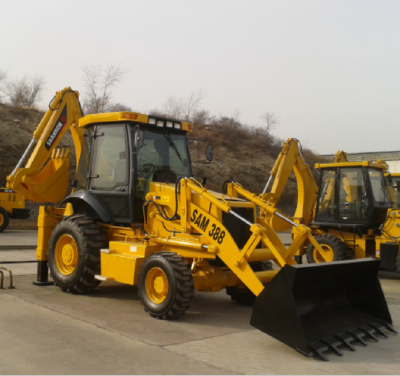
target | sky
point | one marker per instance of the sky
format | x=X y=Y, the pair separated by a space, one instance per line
x=328 y=70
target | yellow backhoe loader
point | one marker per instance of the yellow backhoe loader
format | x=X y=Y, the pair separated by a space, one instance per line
x=12 y=205
x=350 y=213
x=137 y=216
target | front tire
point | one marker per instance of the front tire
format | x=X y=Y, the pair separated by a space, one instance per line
x=74 y=254
x=4 y=219
x=165 y=285
x=335 y=247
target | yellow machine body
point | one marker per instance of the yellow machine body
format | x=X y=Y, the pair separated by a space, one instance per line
x=10 y=200
x=190 y=239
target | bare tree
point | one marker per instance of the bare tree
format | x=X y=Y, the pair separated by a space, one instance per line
x=184 y=108
x=192 y=104
x=236 y=115
x=270 y=120
x=98 y=83
x=202 y=117
x=174 y=108
x=3 y=81
x=25 y=92
x=117 y=107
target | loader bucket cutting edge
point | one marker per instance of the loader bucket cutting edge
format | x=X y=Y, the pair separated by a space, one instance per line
x=320 y=307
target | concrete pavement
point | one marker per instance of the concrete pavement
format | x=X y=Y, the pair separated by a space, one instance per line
x=46 y=331
x=13 y=238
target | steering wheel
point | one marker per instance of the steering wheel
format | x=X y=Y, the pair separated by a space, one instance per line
x=147 y=168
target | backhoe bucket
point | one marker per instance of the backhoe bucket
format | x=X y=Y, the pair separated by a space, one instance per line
x=51 y=184
x=320 y=307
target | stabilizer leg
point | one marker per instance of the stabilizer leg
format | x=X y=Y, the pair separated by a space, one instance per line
x=42 y=275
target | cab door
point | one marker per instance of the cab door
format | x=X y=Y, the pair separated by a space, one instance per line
x=109 y=173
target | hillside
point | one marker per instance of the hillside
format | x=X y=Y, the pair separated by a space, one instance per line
x=241 y=153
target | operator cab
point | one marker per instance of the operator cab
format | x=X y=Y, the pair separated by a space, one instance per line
x=122 y=155
x=352 y=196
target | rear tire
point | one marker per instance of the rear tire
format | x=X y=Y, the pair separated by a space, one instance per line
x=165 y=285
x=4 y=219
x=398 y=263
x=330 y=243
x=74 y=254
x=241 y=294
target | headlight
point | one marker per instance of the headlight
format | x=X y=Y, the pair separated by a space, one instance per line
x=177 y=126
x=160 y=123
x=169 y=124
x=152 y=121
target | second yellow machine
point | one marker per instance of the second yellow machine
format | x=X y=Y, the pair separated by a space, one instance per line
x=137 y=216
x=352 y=213
x=12 y=205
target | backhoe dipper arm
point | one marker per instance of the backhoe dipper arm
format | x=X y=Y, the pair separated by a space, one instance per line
x=48 y=182
x=290 y=159
x=340 y=157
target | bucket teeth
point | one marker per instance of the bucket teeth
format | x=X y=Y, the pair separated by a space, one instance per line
x=319 y=348
x=391 y=329
x=333 y=344
x=379 y=329
x=346 y=339
x=358 y=336
x=369 y=331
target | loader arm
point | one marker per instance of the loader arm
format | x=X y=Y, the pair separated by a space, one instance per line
x=291 y=159
x=263 y=243
x=45 y=176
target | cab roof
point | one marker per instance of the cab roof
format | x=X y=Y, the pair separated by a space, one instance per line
x=381 y=166
x=157 y=122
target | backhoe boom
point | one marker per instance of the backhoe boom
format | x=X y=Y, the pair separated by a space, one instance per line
x=45 y=176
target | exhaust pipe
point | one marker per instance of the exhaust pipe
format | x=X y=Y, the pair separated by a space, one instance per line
x=321 y=307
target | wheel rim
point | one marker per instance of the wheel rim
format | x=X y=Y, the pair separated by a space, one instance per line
x=66 y=254
x=318 y=257
x=1 y=219
x=156 y=285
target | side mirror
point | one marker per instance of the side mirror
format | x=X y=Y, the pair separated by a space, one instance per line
x=209 y=153
x=139 y=140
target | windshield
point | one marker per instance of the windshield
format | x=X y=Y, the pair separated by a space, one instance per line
x=164 y=152
x=163 y=158
x=378 y=185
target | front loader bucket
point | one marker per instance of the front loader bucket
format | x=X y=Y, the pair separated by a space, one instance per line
x=320 y=307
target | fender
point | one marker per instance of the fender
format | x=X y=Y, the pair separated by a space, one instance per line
x=88 y=199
